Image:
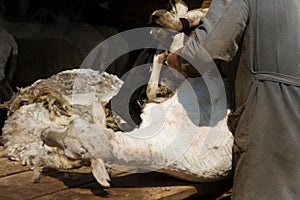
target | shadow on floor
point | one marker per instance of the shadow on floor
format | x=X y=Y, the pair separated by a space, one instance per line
x=207 y=191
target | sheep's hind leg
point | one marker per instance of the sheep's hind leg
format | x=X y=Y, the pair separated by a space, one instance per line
x=152 y=87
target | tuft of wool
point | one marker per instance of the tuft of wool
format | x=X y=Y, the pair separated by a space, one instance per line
x=53 y=103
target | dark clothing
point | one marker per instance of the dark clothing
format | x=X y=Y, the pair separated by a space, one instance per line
x=266 y=120
x=8 y=49
x=8 y=56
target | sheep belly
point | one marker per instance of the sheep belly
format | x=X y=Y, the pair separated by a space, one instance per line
x=174 y=145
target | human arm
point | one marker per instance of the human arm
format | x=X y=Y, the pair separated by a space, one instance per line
x=218 y=35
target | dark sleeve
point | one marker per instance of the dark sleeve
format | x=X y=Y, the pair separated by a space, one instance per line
x=220 y=31
x=8 y=47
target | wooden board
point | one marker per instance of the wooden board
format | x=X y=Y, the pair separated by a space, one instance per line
x=16 y=182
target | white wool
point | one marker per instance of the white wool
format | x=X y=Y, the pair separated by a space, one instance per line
x=23 y=128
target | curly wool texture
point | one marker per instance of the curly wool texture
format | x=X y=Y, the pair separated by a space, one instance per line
x=53 y=103
x=22 y=140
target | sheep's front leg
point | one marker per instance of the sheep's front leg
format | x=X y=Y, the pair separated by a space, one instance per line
x=152 y=87
x=194 y=16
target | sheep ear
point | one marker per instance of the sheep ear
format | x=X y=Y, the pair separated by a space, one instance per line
x=100 y=173
x=98 y=114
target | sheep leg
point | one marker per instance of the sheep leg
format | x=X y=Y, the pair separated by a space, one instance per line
x=152 y=87
x=179 y=7
x=194 y=16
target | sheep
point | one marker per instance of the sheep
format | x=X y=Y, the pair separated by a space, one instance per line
x=60 y=122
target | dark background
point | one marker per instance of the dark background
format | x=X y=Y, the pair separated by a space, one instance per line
x=123 y=14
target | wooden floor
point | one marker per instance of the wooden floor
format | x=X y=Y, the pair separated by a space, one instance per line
x=16 y=182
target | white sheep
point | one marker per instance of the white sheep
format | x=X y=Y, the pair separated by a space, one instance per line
x=56 y=129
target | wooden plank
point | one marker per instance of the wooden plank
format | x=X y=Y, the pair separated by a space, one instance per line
x=8 y=167
x=80 y=184
x=21 y=186
x=95 y=192
x=1 y=151
x=17 y=183
x=173 y=193
x=129 y=186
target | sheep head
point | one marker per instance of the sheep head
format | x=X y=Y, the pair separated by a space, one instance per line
x=82 y=140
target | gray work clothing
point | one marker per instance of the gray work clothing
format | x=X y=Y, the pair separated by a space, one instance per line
x=266 y=120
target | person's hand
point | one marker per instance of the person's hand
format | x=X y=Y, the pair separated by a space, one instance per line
x=181 y=69
x=175 y=62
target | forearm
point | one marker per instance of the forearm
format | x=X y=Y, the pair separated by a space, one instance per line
x=220 y=31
